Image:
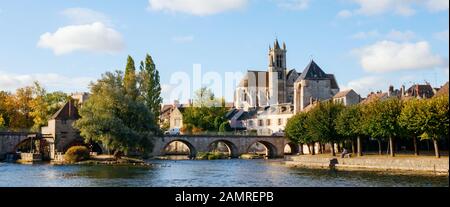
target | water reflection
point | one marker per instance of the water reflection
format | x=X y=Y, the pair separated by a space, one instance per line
x=214 y=173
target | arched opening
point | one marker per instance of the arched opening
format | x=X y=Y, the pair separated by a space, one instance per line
x=291 y=149
x=179 y=149
x=263 y=148
x=224 y=147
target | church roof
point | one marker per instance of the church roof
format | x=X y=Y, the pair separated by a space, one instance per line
x=313 y=72
x=67 y=112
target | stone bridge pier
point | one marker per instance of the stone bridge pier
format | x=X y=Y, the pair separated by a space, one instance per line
x=237 y=145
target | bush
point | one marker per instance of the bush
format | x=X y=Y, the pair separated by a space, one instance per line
x=76 y=154
x=211 y=156
x=225 y=127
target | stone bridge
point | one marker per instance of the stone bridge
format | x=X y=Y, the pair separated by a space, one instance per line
x=10 y=140
x=237 y=145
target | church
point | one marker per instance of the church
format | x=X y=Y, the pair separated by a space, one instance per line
x=282 y=86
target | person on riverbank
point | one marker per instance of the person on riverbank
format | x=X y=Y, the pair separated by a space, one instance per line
x=344 y=153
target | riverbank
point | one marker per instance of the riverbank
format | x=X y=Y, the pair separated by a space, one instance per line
x=107 y=160
x=420 y=165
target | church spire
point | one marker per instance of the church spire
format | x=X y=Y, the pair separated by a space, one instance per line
x=276 y=44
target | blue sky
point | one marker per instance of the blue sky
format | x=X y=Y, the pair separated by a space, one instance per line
x=367 y=44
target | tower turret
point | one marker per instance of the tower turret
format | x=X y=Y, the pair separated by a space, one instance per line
x=277 y=73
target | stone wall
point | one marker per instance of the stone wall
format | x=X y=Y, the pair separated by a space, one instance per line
x=9 y=141
x=425 y=164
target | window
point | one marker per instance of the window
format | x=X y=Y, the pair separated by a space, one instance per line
x=64 y=122
x=280 y=75
x=280 y=122
x=250 y=123
x=260 y=122
x=268 y=122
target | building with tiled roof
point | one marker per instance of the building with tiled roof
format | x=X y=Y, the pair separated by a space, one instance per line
x=60 y=132
x=347 y=97
x=443 y=91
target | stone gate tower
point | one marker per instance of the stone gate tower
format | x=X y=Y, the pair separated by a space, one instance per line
x=277 y=74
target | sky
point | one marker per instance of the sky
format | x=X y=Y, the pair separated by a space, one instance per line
x=367 y=44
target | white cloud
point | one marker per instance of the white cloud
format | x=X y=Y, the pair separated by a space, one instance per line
x=365 y=85
x=85 y=16
x=398 y=7
x=95 y=37
x=293 y=4
x=437 y=5
x=12 y=81
x=366 y=35
x=401 y=36
x=392 y=35
x=443 y=36
x=370 y=7
x=344 y=14
x=385 y=56
x=183 y=39
x=197 y=7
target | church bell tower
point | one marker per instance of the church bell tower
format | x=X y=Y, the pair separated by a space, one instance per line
x=277 y=74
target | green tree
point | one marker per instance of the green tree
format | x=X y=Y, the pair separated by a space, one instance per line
x=298 y=131
x=322 y=123
x=130 y=80
x=225 y=127
x=114 y=119
x=435 y=120
x=348 y=124
x=150 y=87
x=410 y=119
x=384 y=116
x=207 y=114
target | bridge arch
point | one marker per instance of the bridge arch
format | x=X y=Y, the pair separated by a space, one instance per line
x=192 y=150
x=232 y=148
x=271 y=149
x=294 y=148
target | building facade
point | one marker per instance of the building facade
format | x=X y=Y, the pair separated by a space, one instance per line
x=268 y=98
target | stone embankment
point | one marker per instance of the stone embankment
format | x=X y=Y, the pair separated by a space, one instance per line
x=416 y=164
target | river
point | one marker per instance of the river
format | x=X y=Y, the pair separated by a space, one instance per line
x=217 y=173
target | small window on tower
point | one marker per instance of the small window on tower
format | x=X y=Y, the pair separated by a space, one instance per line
x=280 y=75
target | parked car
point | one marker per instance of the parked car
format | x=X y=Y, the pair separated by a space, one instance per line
x=174 y=131
x=278 y=133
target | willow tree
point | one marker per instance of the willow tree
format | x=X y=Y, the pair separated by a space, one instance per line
x=348 y=124
x=322 y=125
